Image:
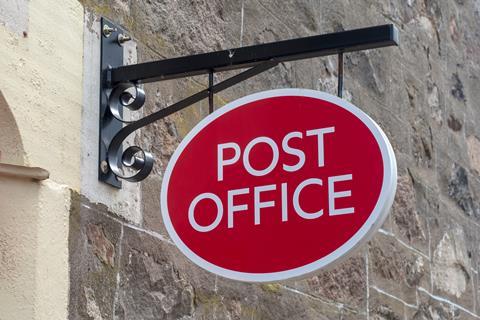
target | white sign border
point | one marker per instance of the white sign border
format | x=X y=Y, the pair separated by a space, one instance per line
x=373 y=223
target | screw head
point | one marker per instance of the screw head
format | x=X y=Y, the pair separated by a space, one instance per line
x=104 y=166
x=122 y=38
x=107 y=30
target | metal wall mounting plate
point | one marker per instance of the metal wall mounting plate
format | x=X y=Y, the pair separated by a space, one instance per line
x=111 y=55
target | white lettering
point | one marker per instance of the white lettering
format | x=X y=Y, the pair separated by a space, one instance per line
x=257 y=204
x=235 y=208
x=221 y=162
x=319 y=133
x=246 y=156
x=296 y=202
x=332 y=195
x=191 y=212
x=284 y=203
x=296 y=152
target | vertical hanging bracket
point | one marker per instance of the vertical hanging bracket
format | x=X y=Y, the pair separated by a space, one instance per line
x=340 y=75
x=111 y=53
x=211 y=106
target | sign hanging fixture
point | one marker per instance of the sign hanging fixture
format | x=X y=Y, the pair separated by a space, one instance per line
x=120 y=86
x=277 y=185
x=272 y=186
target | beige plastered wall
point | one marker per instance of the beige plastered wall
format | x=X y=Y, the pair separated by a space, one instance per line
x=40 y=110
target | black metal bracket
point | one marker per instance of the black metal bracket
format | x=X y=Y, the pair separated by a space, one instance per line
x=119 y=84
x=111 y=54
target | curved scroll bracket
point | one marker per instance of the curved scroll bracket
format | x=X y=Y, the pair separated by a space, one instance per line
x=116 y=164
x=120 y=89
x=135 y=164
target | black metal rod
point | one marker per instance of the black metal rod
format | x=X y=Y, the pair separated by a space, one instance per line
x=340 y=75
x=210 y=92
x=244 y=57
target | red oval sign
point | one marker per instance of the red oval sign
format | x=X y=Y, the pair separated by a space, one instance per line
x=278 y=184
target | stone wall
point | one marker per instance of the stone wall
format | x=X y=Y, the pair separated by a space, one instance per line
x=422 y=264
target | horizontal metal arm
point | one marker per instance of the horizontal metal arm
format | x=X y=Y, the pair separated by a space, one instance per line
x=244 y=57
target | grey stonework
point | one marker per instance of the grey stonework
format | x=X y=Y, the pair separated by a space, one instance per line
x=424 y=262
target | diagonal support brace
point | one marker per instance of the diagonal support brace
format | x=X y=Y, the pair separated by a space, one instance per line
x=143 y=164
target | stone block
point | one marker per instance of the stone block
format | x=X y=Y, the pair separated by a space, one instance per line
x=357 y=14
x=343 y=284
x=323 y=77
x=150 y=287
x=370 y=76
x=461 y=191
x=472 y=92
x=152 y=215
x=397 y=269
x=397 y=130
x=261 y=25
x=302 y=18
x=458 y=185
x=175 y=28
x=94 y=244
x=454 y=256
x=409 y=213
x=432 y=307
x=386 y=307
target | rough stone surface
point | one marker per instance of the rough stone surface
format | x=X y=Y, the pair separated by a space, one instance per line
x=423 y=264
x=408 y=221
x=451 y=266
x=397 y=270
x=156 y=282
x=384 y=307
x=345 y=284
x=150 y=286
x=474 y=153
x=94 y=248
x=459 y=190
x=102 y=247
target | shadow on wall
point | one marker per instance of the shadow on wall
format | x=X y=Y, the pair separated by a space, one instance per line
x=11 y=146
